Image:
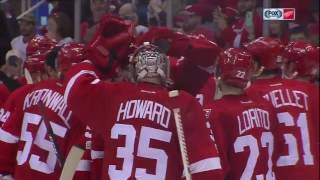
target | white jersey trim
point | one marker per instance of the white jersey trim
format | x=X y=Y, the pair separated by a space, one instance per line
x=84 y=165
x=205 y=165
x=97 y=154
x=73 y=80
x=7 y=137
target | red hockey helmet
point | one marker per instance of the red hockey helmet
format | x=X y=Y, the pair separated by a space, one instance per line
x=304 y=56
x=267 y=51
x=200 y=47
x=235 y=67
x=40 y=45
x=35 y=63
x=37 y=51
x=69 y=54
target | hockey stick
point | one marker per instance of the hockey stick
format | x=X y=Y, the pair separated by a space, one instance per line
x=28 y=77
x=72 y=162
x=181 y=137
x=51 y=135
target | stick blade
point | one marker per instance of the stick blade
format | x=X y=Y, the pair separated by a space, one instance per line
x=71 y=163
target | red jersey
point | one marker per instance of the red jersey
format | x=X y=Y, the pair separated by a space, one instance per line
x=4 y=94
x=8 y=141
x=244 y=133
x=297 y=106
x=137 y=126
x=196 y=80
x=26 y=151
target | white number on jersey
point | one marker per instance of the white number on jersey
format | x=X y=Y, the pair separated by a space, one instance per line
x=240 y=74
x=40 y=140
x=293 y=155
x=200 y=98
x=251 y=142
x=144 y=150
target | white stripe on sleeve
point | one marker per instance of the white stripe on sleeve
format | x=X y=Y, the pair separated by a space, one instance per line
x=97 y=154
x=7 y=137
x=73 y=80
x=205 y=165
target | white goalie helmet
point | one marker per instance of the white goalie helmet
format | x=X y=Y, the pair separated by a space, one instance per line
x=149 y=62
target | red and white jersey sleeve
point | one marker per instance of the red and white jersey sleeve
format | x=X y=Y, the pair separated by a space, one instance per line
x=97 y=155
x=203 y=155
x=83 y=170
x=11 y=129
x=297 y=106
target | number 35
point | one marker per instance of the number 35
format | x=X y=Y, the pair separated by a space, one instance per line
x=144 y=150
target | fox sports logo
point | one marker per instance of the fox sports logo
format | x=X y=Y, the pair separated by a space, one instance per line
x=273 y=14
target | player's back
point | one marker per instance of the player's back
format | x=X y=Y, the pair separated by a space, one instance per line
x=194 y=80
x=43 y=107
x=297 y=106
x=243 y=130
x=140 y=134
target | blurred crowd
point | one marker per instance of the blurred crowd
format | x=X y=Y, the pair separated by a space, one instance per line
x=229 y=23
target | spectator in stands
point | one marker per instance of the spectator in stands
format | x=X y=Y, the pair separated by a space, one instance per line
x=60 y=28
x=12 y=24
x=142 y=7
x=313 y=28
x=156 y=12
x=279 y=29
x=298 y=32
x=4 y=38
x=246 y=26
x=66 y=7
x=98 y=9
x=10 y=72
x=14 y=63
x=313 y=31
x=194 y=18
x=129 y=12
x=27 y=27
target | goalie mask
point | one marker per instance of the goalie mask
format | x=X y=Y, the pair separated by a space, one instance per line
x=150 y=63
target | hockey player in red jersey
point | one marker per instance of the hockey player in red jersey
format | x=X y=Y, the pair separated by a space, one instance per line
x=296 y=102
x=37 y=49
x=243 y=128
x=41 y=128
x=136 y=121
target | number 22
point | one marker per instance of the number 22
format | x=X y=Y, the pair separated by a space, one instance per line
x=251 y=142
